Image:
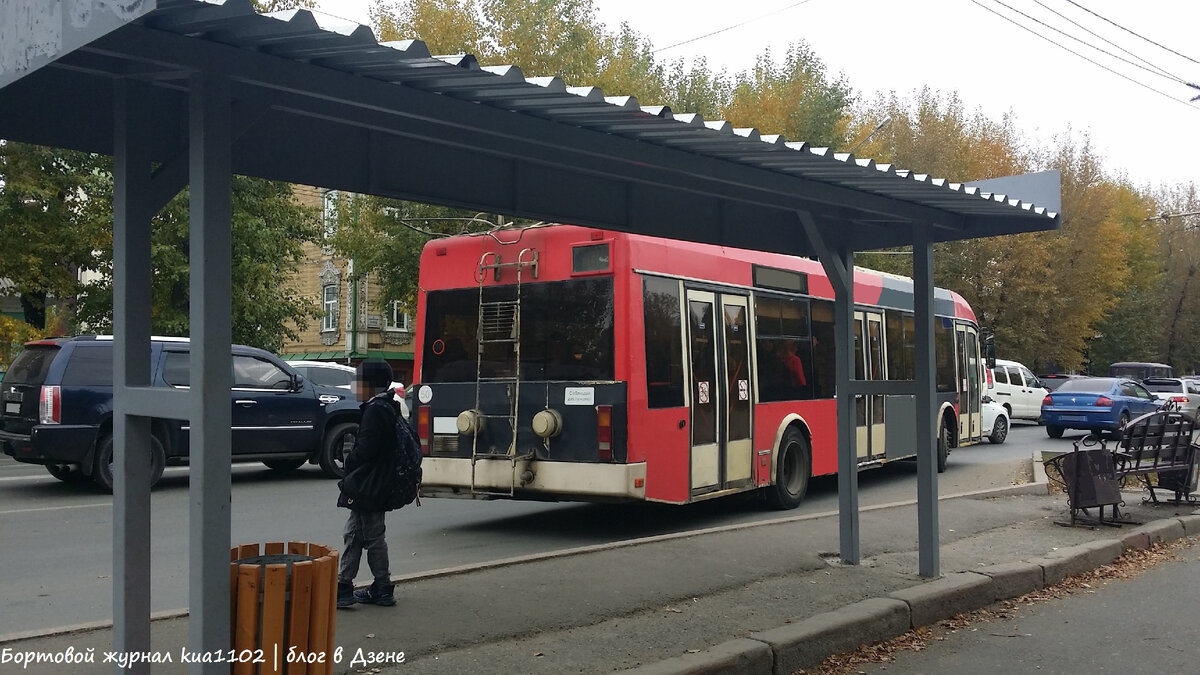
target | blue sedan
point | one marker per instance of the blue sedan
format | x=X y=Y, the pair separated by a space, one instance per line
x=1096 y=404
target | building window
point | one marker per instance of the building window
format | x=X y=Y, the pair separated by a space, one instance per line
x=330 y=305
x=395 y=318
x=329 y=218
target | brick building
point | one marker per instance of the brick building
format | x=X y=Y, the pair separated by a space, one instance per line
x=353 y=327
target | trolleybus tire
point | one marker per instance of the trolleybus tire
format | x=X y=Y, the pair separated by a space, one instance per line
x=943 y=447
x=794 y=467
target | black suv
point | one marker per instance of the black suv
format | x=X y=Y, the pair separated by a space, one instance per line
x=58 y=409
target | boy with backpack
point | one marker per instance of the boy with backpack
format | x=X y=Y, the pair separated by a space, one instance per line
x=379 y=476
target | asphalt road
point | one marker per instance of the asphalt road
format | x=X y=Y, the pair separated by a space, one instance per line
x=57 y=538
x=1141 y=625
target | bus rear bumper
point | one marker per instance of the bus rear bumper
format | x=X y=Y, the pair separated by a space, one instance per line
x=447 y=476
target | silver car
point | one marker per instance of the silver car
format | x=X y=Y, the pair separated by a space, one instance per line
x=1184 y=393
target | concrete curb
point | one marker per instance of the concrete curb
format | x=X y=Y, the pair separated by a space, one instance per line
x=805 y=643
x=808 y=642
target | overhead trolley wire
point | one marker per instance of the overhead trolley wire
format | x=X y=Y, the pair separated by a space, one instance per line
x=1083 y=42
x=1101 y=37
x=729 y=28
x=1085 y=58
x=1184 y=56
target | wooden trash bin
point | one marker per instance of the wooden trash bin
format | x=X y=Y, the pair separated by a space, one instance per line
x=284 y=603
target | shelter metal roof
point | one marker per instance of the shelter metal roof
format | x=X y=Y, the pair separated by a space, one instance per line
x=322 y=102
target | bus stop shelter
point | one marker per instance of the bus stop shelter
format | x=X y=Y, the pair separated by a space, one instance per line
x=189 y=92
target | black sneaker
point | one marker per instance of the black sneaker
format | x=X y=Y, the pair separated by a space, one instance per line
x=345 y=595
x=376 y=595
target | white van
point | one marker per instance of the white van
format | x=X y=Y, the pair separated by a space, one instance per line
x=1017 y=389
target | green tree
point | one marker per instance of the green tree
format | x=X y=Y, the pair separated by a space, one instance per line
x=384 y=237
x=695 y=89
x=268 y=232
x=54 y=214
x=547 y=37
x=1179 y=250
x=796 y=98
x=445 y=26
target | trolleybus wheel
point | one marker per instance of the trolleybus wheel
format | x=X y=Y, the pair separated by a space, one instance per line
x=943 y=447
x=792 y=472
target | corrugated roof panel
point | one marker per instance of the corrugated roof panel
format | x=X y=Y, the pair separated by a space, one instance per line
x=333 y=43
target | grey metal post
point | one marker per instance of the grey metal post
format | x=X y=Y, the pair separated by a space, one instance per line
x=849 y=536
x=927 y=419
x=211 y=334
x=131 y=368
x=839 y=268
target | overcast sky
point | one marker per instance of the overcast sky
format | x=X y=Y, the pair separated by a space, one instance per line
x=1138 y=116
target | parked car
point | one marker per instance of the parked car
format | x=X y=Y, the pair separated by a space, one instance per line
x=58 y=409
x=1017 y=389
x=1184 y=393
x=332 y=374
x=1096 y=404
x=1053 y=380
x=325 y=373
x=995 y=421
x=1140 y=370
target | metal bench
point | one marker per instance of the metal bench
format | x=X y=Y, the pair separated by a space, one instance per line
x=1156 y=449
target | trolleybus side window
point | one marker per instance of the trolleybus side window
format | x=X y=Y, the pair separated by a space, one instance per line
x=664 y=348
x=824 y=375
x=943 y=348
x=901 y=351
x=784 y=347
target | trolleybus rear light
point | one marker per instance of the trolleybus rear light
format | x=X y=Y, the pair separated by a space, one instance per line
x=604 y=450
x=424 y=419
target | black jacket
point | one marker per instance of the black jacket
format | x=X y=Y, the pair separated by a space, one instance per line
x=371 y=465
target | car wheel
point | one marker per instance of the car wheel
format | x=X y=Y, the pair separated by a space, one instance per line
x=284 y=464
x=999 y=430
x=943 y=447
x=1122 y=422
x=102 y=472
x=67 y=473
x=1054 y=431
x=338 y=443
x=792 y=472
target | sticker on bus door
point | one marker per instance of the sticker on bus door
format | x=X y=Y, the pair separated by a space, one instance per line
x=743 y=390
x=703 y=392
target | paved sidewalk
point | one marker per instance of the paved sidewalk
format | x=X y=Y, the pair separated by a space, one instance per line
x=748 y=599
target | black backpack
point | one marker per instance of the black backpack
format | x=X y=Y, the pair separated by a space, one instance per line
x=408 y=465
x=386 y=485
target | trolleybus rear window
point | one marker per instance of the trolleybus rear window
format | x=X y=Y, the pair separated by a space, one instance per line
x=565 y=332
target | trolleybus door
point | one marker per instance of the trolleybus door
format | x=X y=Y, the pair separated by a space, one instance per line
x=706 y=392
x=970 y=413
x=739 y=450
x=870 y=363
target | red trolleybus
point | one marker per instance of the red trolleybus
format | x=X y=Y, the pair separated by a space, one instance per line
x=569 y=363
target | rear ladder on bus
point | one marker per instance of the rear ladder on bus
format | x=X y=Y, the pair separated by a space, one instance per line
x=500 y=324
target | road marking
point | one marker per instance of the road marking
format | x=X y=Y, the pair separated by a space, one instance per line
x=55 y=508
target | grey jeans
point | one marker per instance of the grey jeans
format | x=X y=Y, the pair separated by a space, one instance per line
x=364 y=531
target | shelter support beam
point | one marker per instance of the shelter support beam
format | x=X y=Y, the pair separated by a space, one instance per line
x=839 y=267
x=131 y=369
x=927 y=419
x=211 y=334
